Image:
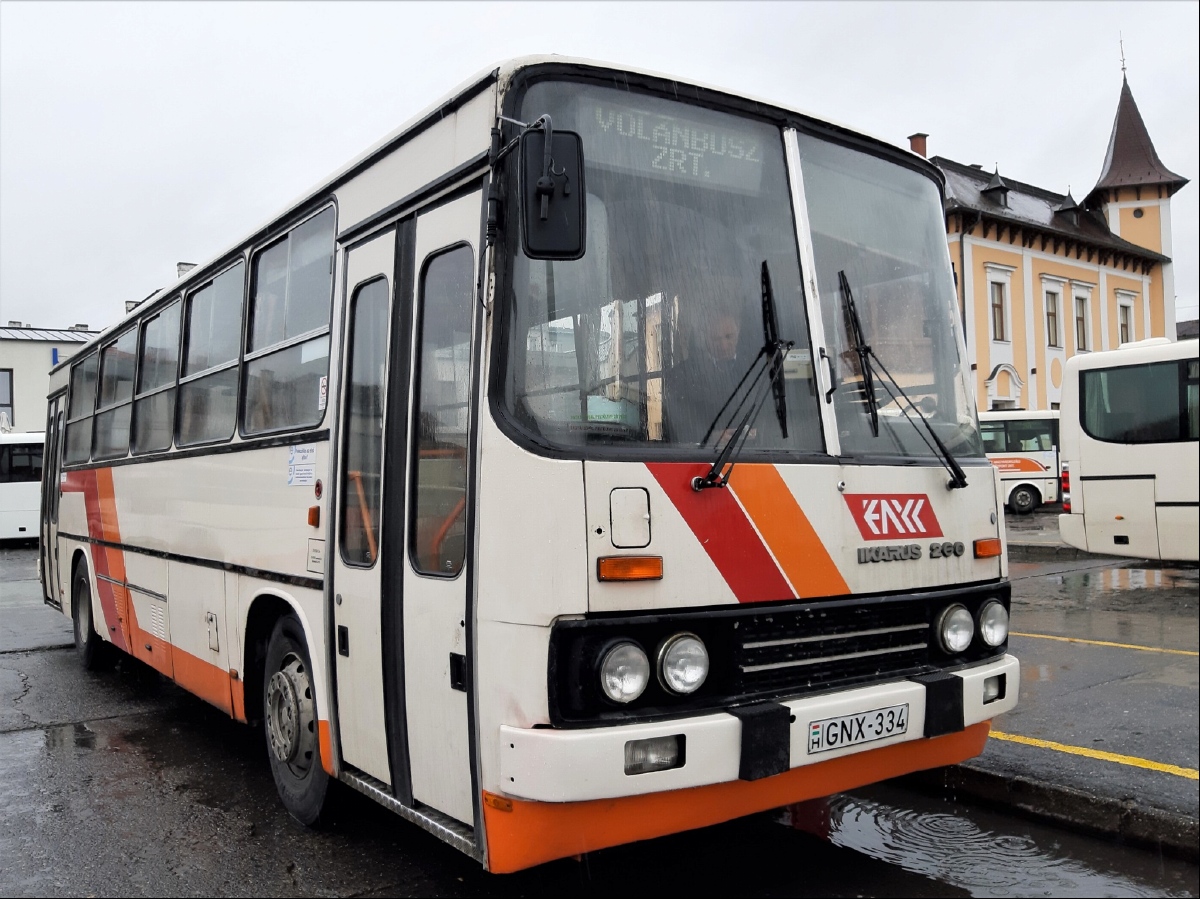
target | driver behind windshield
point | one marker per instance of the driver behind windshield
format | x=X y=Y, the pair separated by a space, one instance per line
x=698 y=386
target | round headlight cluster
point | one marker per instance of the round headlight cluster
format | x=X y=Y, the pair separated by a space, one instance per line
x=625 y=668
x=955 y=628
x=993 y=623
x=683 y=663
x=624 y=672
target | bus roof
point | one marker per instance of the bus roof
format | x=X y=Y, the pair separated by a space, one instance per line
x=1152 y=350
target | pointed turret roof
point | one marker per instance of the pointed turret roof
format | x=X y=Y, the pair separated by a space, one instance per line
x=1131 y=160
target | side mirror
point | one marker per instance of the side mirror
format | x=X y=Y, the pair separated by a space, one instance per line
x=553 y=210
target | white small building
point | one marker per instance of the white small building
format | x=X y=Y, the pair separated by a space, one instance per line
x=26 y=356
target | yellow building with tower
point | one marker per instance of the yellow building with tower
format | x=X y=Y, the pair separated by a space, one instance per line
x=1041 y=277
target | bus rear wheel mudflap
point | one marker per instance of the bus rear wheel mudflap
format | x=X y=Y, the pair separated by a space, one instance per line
x=93 y=653
x=290 y=724
x=1024 y=499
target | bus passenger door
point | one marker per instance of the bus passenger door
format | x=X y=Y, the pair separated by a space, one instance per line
x=51 y=475
x=436 y=657
x=357 y=527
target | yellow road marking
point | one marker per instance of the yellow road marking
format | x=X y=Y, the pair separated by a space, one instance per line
x=1189 y=773
x=1178 y=652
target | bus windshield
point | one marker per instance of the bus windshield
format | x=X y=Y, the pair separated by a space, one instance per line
x=654 y=340
x=879 y=244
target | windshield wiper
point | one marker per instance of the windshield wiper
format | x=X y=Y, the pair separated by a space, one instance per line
x=774 y=351
x=863 y=349
x=958 y=478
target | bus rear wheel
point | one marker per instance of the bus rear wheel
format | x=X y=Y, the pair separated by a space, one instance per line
x=93 y=652
x=1024 y=499
x=290 y=723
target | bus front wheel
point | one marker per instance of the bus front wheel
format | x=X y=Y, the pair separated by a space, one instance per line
x=1024 y=499
x=93 y=652
x=290 y=723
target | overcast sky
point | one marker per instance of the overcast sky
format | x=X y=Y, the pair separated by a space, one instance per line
x=137 y=135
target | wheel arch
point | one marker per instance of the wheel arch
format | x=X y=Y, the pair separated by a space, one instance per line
x=266 y=608
x=79 y=558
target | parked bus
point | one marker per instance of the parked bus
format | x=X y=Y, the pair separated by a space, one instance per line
x=551 y=473
x=20 y=484
x=1023 y=445
x=1131 y=464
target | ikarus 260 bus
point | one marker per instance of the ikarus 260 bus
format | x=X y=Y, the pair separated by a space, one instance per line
x=591 y=459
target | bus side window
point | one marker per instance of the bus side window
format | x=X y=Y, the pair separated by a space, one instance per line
x=116 y=396
x=83 y=404
x=209 y=379
x=993 y=436
x=438 y=533
x=287 y=355
x=158 y=361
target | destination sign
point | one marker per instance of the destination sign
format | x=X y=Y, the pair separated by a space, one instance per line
x=717 y=153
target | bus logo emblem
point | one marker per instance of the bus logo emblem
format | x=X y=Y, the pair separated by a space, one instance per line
x=886 y=516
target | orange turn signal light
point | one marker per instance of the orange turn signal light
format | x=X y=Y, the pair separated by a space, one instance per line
x=314 y=516
x=499 y=803
x=987 y=547
x=629 y=568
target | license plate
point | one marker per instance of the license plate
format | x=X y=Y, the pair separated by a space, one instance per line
x=851 y=730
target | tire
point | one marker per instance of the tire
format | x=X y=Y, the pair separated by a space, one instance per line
x=94 y=654
x=1024 y=499
x=290 y=724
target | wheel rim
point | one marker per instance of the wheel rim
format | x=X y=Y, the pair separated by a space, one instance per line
x=291 y=721
x=1024 y=500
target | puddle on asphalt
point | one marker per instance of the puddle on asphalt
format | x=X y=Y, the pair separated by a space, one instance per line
x=984 y=852
x=1116 y=580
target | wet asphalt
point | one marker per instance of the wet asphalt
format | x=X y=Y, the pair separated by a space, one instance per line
x=1104 y=737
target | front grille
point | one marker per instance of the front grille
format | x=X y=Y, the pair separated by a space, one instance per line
x=763 y=653
x=820 y=648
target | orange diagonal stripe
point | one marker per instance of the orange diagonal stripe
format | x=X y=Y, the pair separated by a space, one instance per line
x=787 y=531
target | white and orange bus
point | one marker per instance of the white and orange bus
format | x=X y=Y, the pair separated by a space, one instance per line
x=1023 y=445
x=551 y=472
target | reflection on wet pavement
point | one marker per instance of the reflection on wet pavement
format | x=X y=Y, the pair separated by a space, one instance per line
x=1142 y=607
x=984 y=853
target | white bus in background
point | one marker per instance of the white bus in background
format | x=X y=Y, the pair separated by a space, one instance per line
x=1023 y=445
x=1129 y=448
x=20 y=484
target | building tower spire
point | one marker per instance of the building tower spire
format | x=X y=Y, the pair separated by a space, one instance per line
x=1133 y=193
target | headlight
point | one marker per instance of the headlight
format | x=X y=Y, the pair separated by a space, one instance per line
x=624 y=672
x=993 y=623
x=683 y=663
x=955 y=628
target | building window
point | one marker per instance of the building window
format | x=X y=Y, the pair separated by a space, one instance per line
x=1081 y=324
x=999 y=332
x=6 y=396
x=1052 y=338
x=1125 y=315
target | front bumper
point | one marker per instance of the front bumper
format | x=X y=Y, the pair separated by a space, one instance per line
x=552 y=765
